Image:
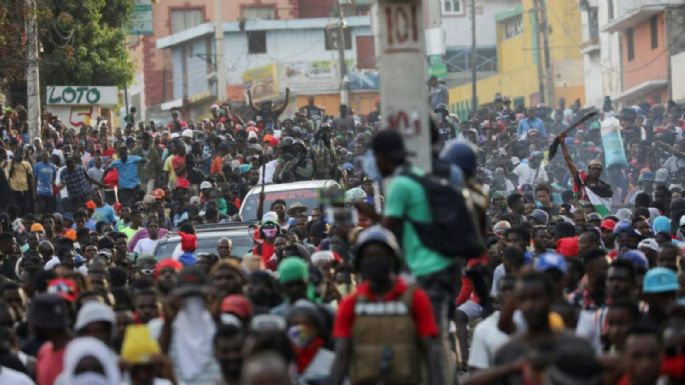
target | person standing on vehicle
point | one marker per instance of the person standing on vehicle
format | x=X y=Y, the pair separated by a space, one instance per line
x=437 y=274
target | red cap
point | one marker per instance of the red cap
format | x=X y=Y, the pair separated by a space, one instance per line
x=65 y=288
x=237 y=304
x=568 y=247
x=158 y=193
x=168 y=263
x=188 y=241
x=91 y=205
x=182 y=183
x=608 y=224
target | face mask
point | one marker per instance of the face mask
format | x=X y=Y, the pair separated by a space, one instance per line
x=89 y=378
x=270 y=233
x=370 y=167
x=300 y=335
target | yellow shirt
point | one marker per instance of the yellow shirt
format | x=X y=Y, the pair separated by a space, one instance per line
x=169 y=169
x=20 y=179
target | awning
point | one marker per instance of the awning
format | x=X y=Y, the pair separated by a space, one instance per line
x=633 y=18
x=641 y=89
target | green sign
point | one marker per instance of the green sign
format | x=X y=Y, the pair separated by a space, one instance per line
x=141 y=18
x=437 y=68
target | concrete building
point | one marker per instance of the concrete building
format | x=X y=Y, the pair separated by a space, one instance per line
x=519 y=51
x=650 y=34
x=266 y=56
x=456 y=23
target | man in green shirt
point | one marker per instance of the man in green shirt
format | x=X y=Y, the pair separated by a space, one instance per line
x=438 y=275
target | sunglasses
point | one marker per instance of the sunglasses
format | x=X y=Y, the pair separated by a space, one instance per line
x=146 y=271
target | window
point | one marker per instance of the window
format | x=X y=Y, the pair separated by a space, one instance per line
x=332 y=39
x=610 y=9
x=182 y=19
x=256 y=12
x=512 y=26
x=593 y=23
x=630 y=48
x=653 y=26
x=452 y=7
x=256 y=42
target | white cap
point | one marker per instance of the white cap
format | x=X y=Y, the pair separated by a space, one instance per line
x=205 y=184
x=175 y=135
x=252 y=135
x=94 y=312
x=649 y=243
x=187 y=133
x=195 y=200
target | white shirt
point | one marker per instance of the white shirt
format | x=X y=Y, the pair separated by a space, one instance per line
x=527 y=175
x=146 y=246
x=12 y=377
x=54 y=261
x=487 y=338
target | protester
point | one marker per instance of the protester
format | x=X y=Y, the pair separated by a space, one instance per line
x=148 y=255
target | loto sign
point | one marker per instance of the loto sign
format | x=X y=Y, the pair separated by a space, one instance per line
x=82 y=96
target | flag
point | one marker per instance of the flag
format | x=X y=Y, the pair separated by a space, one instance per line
x=602 y=205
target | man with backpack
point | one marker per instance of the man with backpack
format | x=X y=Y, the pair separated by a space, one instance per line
x=385 y=330
x=410 y=210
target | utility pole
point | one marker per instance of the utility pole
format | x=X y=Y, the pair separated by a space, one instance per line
x=344 y=93
x=32 y=71
x=549 y=75
x=220 y=63
x=541 y=81
x=402 y=61
x=474 y=76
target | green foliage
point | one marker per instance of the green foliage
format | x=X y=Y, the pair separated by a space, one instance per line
x=84 y=42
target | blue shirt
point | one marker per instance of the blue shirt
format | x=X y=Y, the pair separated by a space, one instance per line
x=104 y=214
x=45 y=177
x=128 y=172
x=526 y=125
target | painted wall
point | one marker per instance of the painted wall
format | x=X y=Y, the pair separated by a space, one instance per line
x=648 y=63
x=458 y=27
x=517 y=76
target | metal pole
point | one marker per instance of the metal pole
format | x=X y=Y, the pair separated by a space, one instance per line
x=32 y=71
x=344 y=93
x=541 y=82
x=549 y=76
x=474 y=76
x=220 y=63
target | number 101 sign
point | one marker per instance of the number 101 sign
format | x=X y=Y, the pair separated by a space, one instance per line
x=400 y=26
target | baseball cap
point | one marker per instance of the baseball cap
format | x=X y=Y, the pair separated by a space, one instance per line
x=270 y=217
x=205 y=185
x=540 y=216
x=168 y=263
x=138 y=347
x=64 y=288
x=48 y=311
x=94 y=312
x=637 y=258
x=191 y=280
x=293 y=269
x=649 y=243
x=237 y=304
x=187 y=133
x=608 y=224
x=568 y=247
x=182 y=183
x=195 y=200
x=549 y=260
x=37 y=227
x=646 y=176
x=501 y=227
x=660 y=280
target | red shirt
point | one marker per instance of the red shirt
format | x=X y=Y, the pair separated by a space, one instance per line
x=179 y=163
x=421 y=310
x=49 y=364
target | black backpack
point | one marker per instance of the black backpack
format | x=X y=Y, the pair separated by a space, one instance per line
x=453 y=231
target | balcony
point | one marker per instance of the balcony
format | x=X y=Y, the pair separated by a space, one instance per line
x=634 y=16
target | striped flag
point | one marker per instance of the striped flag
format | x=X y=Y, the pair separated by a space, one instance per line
x=602 y=205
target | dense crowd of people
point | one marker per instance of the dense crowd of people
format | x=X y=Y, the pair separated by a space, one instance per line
x=505 y=264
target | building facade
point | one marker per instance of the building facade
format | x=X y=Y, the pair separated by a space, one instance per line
x=268 y=56
x=520 y=58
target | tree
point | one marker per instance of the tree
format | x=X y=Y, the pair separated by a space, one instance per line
x=83 y=42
